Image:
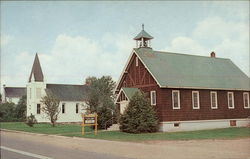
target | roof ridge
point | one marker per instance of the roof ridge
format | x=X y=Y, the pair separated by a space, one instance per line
x=67 y=84
x=14 y=87
x=164 y=52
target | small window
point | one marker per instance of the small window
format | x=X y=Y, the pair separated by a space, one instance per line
x=230 y=98
x=30 y=93
x=153 y=97
x=176 y=99
x=38 y=93
x=246 y=100
x=77 y=108
x=232 y=122
x=136 y=61
x=195 y=100
x=63 y=108
x=176 y=124
x=38 y=108
x=213 y=97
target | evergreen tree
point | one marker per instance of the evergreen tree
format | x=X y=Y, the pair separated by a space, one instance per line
x=139 y=116
x=21 y=108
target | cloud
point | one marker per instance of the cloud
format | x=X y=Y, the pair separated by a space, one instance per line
x=186 y=45
x=72 y=59
x=229 y=39
x=5 y=40
x=75 y=58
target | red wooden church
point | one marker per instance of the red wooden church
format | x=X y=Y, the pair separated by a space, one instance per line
x=189 y=92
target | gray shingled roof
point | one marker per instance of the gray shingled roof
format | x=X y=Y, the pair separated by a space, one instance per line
x=129 y=92
x=190 y=71
x=36 y=70
x=14 y=91
x=143 y=34
x=68 y=92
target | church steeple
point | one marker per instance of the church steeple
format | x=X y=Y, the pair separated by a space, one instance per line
x=143 y=39
x=36 y=72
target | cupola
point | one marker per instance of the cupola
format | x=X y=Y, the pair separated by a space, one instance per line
x=143 y=39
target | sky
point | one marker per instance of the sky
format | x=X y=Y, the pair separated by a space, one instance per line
x=77 y=39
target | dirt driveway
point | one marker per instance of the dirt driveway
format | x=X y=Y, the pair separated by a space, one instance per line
x=192 y=149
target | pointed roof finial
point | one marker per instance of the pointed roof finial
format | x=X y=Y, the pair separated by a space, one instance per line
x=143 y=34
x=36 y=71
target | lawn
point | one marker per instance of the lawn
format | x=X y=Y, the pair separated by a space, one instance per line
x=43 y=128
x=75 y=130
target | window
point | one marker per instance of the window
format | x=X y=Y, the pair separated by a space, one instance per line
x=176 y=99
x=38 y=93
x=63 y=108
x=246 y=100
x=176 y=124
x=77 y=109
x=195 y=100
x=153 y=97
x=213 y=97
x=38 y=108
x=232 y=122
x=30 y=93
x=230 y=98
x=136 y=61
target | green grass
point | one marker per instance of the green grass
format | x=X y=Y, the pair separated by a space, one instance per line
x=75 y=130
x=227 y=133
x=43 y=128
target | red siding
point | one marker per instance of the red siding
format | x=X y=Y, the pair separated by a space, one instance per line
x=186 y=112
x=138 y=76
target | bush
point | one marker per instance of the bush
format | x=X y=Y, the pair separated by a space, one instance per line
x=7 y=112
x=31 y=120
x=139 y=116
x=104 y=117
x=20 y=110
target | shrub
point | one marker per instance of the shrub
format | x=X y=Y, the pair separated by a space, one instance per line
x=104 y=117
x=31 y=120
x=7 y=112
x=139 y=116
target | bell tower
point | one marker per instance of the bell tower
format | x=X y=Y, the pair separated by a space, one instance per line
x=143 y=39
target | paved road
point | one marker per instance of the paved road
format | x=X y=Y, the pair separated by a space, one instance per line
x=58 y=147
x=16 y=147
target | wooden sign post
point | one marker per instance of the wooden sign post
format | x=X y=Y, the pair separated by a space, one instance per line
x=89 y=120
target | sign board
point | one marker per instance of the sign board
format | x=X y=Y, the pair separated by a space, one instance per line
x=89 y=120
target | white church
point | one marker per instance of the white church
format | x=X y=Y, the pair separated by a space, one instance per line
x=72 y=97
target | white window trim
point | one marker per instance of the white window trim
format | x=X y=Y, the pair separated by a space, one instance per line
x=136 y=61
x=247 y=100
x=179 y=104
x=232 y=100
x=216 y=100
x=198 y=99
x=151 y=95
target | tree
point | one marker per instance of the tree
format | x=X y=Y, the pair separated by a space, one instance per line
x=7 y=112
x=139 y=116
x=101 y=99
x=20 y=111
x=51 y=107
